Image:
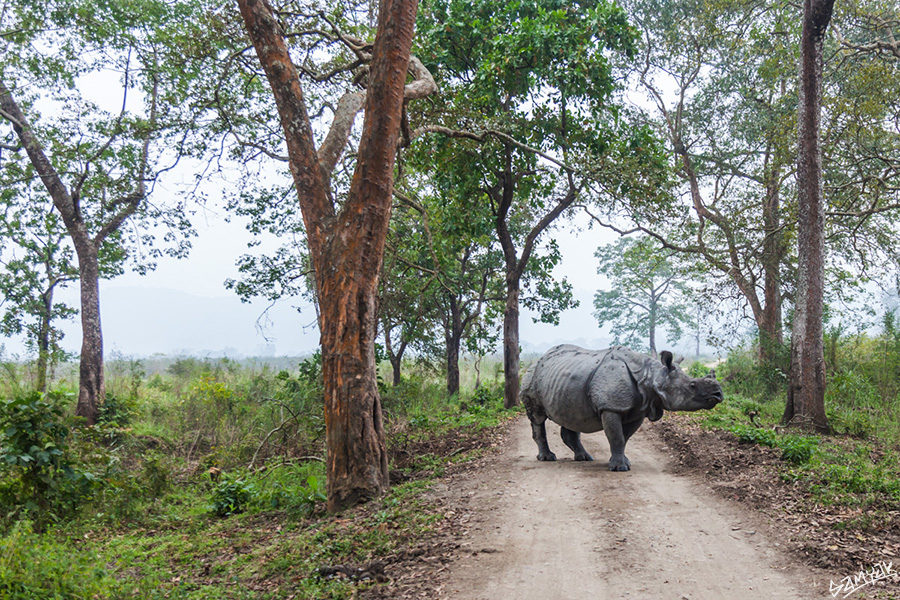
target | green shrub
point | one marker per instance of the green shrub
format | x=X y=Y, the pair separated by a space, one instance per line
x=849 y=421
x=155 y=476
x=488 y=395
x=852 y=388
x=747 y=434
x=697 y=369
x=232 y=495
x=747 y=376
x=117 y=411
x=286 y=488
x=40 y=477
x=797 y=449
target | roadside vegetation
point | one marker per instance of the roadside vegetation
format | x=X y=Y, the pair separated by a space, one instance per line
x=207 y=480
x=854 y=467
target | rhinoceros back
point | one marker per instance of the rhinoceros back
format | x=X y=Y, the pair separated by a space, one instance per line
x=564 y=386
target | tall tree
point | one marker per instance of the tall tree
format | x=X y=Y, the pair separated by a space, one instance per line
x=527 y=90
x=35 y=262
x=346 y=241
x=723 y=80
x=99 y=166
x=406 y=297
x=806 y=392
x=456 y=250
x=724 y=103
x=860 y=137
x=647 y=293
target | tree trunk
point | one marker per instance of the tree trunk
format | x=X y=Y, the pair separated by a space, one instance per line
x=43 y=359
x=453 y=344
x=396 y=359
x=453 y=336
x=354 y=434
x=652 y=324
x=347 y=248
x=806 y=395
x=91 y=384
x=477 y=366
x=511 y=342
x=396 y=371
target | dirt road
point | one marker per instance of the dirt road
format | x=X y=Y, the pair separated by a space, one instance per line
x=573 y=531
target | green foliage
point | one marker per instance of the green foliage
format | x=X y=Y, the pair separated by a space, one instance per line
x=750 y=377
x=487 y=396
x=116 y=411
x=232 y=495
x=155 y=476
x=647 y=295
x=310 y=370
x=697 y=369
x=854 y=476
x=849 y=421
x=845 y=472
x=34 y=566
x=798 y=449
x=40 y=479
x=153 y=508
x=39 y=265
x=283 y=488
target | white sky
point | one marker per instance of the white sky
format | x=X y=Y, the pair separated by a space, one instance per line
x=183 y=307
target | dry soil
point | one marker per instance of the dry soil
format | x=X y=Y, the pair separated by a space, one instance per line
x=569 y=530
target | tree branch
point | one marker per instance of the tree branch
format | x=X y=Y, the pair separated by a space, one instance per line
x=62 y=199
x=481 y=137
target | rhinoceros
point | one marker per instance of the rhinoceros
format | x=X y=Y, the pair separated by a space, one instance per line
x=614 y=389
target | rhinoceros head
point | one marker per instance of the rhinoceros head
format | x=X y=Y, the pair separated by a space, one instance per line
x=678 y=391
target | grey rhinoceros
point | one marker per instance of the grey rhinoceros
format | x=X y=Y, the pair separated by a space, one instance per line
x=614 y=389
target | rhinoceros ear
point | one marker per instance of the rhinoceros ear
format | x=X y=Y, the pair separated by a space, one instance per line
x=666 y=358
x=711 y=374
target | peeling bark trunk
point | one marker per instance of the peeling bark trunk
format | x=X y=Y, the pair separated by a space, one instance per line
x=347 y=248
x=357 y=456
x=806 y=394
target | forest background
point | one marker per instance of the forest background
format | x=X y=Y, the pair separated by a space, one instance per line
x=672 y=122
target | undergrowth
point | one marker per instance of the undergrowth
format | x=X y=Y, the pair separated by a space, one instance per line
x=208 y=481
x=856 y=465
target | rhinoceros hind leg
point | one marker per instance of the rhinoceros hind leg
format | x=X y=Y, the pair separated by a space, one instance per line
x=539 y=433
x=572 y=439
x=612 y=425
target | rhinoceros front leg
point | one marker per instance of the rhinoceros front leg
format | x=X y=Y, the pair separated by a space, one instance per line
x=572 y=439
x=539 y=433
x=612 y=425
